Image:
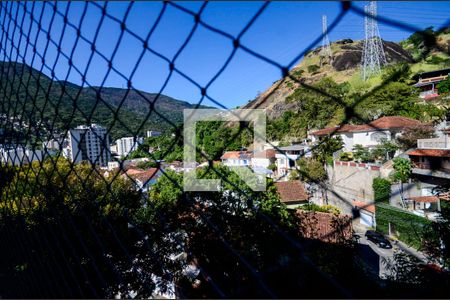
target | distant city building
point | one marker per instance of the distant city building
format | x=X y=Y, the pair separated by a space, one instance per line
x=19 y=155
x=126 y=145
x=55 y=144
x=151 y=133
x=89 y=143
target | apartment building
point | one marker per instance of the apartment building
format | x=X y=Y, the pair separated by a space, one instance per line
x=89 y=143
x=126 y=145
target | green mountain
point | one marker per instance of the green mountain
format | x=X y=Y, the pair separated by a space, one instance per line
x=422 y=52
x=293 y=110
x=35 y=97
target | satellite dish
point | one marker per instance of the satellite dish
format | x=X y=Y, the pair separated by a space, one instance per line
x=427 y=205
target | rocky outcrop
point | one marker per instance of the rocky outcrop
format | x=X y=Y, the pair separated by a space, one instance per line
x=346 y=60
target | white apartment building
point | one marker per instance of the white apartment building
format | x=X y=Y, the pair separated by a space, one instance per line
x=126 y=145
x=89 y=143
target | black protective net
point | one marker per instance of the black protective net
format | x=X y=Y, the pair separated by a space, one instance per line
x=73 y=225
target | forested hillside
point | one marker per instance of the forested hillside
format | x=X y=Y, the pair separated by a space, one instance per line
x=63 y=105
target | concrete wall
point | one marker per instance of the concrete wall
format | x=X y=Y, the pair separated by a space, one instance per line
x=350 y=182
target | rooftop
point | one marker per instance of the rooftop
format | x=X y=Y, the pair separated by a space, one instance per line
x=291 y=191
x=427 y=199
x=394 y=122
x=142 y=175
x=293 y=148
x=237 y=155
x=268 y=153
x=429 y=152
x=370 y=207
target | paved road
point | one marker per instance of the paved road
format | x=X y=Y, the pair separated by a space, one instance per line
x=376 y=258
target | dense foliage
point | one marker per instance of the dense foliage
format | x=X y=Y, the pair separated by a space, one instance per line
x=327 y=103
x=403 y=169
x=381 y=190
x=407 y=226
x=69 y=105
x=311 y=170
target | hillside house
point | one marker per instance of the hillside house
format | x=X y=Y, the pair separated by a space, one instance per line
x=143 y=179
x=292 y=193
x=368 y=135
x=286 y=157
x=237 y=158
x=427 y=81
x=263 y=158
x=430 y=172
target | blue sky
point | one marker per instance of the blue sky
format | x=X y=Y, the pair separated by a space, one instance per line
x=281 y=33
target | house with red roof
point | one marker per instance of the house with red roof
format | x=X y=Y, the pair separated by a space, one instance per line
x=368 y=135
x=292 y=193
x=237 y=158
x=143 y=179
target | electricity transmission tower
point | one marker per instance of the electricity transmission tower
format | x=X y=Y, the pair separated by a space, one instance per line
x=325 y=53
x=373 y=57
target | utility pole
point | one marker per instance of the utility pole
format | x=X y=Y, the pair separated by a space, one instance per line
x=325 y=53
x=373 y=57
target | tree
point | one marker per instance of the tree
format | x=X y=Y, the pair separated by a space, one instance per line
x=444 y=86
x=361 y=153
x=400 y=72
x=311 y=170
x=391 y=99
x=402 y=167
x=384 y=151
x=324 y=150
x=408 y=139
x=146 y=164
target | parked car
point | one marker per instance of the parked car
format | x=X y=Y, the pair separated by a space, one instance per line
x=378 y=239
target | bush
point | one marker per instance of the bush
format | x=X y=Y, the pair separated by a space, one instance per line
x=381 y=189
x=362 y=154
x=294 y=175
x=313 y=68
x=444 y=86
x=324 y=208
x=346 y=156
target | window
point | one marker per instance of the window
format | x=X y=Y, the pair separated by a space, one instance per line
x=378 y=136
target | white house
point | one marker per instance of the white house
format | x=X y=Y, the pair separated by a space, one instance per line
x=263 y=158
x=368 y=135
x=287 y=156
x=237 y=158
